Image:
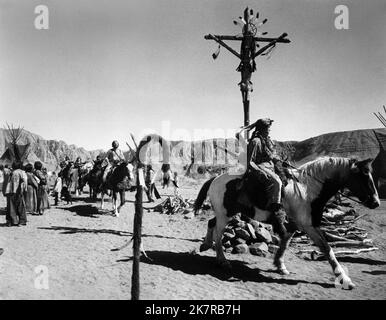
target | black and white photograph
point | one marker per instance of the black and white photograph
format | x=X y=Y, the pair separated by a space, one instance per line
x=212 y=150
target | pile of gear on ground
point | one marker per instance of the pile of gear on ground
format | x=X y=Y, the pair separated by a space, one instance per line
x=176 y=204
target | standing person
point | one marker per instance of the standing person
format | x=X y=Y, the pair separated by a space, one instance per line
x=175 y=183
x=6 y=177
x=57 y=189
x=149 y=182
x=47 y=187
x=1 y=175
x=30 y=196
x=17 y=185
x=42 y=191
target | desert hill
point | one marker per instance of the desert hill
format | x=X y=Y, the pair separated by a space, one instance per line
x=50 y=152
x=217 y=152
x=361 y=144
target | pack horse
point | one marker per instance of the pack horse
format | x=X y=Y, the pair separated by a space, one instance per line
x=305 y=197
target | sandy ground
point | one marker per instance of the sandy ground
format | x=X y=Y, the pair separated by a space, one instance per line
x=72 y=245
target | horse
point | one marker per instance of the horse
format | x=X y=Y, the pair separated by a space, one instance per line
x=93 y=179
x=119 y=181
x=82 y=176
x=70 y=176
x=304 y=199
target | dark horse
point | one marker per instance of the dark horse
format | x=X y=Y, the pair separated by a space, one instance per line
x=93 y=179
x=119 y=181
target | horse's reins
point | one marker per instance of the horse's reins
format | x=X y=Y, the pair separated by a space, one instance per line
x=321 y=182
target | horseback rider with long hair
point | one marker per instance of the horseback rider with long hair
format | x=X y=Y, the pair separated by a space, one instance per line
x=262 y=162
x=78 y=163
x=113 y=157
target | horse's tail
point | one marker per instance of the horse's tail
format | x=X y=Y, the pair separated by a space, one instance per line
x=202 y=195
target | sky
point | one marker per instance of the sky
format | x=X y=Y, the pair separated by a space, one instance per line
x=105 y=69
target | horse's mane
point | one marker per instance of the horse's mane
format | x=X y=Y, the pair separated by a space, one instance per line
x=311 y=174
x=323 y=167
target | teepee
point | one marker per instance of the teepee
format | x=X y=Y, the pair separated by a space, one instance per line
x=15 y=151
x=379 y=163
x=380 y=117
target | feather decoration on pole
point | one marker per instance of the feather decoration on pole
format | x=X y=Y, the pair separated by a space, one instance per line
x=216 y=53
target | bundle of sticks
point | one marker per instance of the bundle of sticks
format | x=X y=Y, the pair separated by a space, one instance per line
x=340 y=232
x=172 y=205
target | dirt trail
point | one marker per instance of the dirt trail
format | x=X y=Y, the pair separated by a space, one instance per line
x=74 y=242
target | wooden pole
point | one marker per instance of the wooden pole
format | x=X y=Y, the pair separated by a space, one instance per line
x=247 y=55
x=246 y=111
x=137 y=233
x=239 y=38
x=246 y=73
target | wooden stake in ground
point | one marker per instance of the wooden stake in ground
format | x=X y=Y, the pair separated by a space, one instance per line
x=137 y=233
x=137 y=230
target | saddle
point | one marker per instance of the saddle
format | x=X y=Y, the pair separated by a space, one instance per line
x=243 y=194
x=123 y=184
x=247 y=192
x=280 y=169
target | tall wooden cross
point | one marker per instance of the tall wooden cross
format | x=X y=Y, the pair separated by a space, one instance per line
x=248 y=51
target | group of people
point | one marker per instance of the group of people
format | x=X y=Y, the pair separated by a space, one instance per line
x=26 y=187
x=26 y=191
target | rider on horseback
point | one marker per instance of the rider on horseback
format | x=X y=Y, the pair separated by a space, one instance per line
x=78 y=163
x=262 y=163
x=113 y=157
x=63 y=165
x=98 y=161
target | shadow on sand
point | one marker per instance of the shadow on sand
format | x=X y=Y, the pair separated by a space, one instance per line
x=83 y=199
x=362 y=260
x=203 y=265
x=84 y=210
x=72 y=230
x=376 y=272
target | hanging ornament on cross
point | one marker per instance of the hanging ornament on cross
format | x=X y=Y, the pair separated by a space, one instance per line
x=251 y=35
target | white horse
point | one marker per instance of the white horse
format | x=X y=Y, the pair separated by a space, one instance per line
x=304 y=200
